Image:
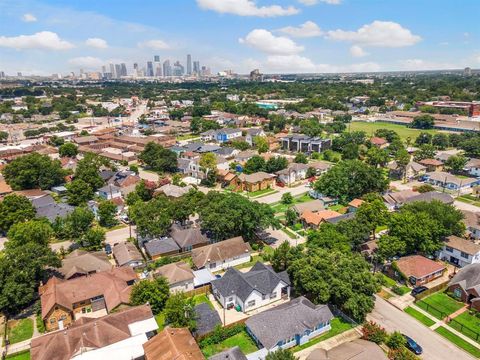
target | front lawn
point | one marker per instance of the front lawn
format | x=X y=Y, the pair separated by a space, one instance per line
x=338 y=326
x=458 y=341
x=160 y=319
x=388 y=281
x=260 y=193
x=279 y=207
x=23 y=355
x=425 y=320
x=20 y=330
x=203 y=298
x=242 y=340
x=439 y=305
x=290 y=234
x=468 y=325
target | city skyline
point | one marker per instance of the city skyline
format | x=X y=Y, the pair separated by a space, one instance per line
x=277 y=36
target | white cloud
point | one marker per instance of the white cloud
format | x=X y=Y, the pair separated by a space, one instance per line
x=307 y=29
x=357 y=51
x=378 y=33
x=154 y=44
x=420 y=64
x=246 y=8
x=265 y=41
x=45 y=40
x=289 y=63
x=314 y=2
x=29 y=17
x=86 y=61
x=96 y=43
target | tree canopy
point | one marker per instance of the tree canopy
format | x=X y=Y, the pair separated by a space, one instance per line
x=155 y=292
x=158 y=158
x=13 y=209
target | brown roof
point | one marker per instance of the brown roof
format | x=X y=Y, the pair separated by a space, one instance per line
x=111 y=284
x=432 y=162
x=463 y=245
x=313 y=206
x=220 y=251
x=255 y=177
x=316 y=218
x=126 y=252
x=188 y=237
x=175 y=272
x=81 y=262
x=171 y=344
x=88 y=334
x=418 y=266
x=356 y=203
x=31 y=193
x=378 y=141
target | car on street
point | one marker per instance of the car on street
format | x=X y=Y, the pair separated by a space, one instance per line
x=418 y=290
x=412 y=345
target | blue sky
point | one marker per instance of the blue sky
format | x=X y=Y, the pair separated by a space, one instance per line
x=50 y=36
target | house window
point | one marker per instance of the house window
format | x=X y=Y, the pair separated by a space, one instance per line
x=53 y=320
x=251 y=303
x=464 y=255
x=273 y=295
x=230 y=298
x=448 y=248
x=212 y=265
x=264 y=296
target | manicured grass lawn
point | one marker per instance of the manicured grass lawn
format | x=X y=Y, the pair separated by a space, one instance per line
x=425 y=320
x=187 y=136
x=20 y=330
x=160 y=319
x=242 y=340
x=338 y=208
x=338 y=326
x=266 y=250
x=440 y=302
x=280 y=208
x=23 y=355
x=290 y=234
x=469 y=199
x=389 y=281
x=471 y=325
x=401 y=130
x=402 y=290
x=263 y=192
x=458 y=341
x=202 y=298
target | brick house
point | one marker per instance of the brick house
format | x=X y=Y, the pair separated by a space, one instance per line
x=256 y=181
x=465 y=285
x=417 y=269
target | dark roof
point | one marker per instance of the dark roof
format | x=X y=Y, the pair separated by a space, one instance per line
x=231 y=354
x=161 y=246
x=287 y=320
x=260 y=277
x=207 y=319
x=188 y=237
x=430 y=196
x=46 y=207
x=468 y=277
x=337 y=219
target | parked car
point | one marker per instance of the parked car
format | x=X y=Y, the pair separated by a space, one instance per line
x=108 y=249
x=413 y=346
x=418 y=290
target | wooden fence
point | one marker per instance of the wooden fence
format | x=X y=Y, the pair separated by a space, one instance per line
x=434 y=289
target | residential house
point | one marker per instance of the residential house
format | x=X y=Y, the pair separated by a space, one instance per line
x=252 y=133
x=208 y=135
x=118 y=336
x=127 y=254
x=179 y=275
x=451 y=182
x=234 y=353
x=314 y=219
x=431 y=196
x=227 y=134
x=312 y=206
x=465 y=285
x=256 y=181
x=394 y=200
x=354 y=205
x=82 y=263
x=258 y=287
x=109 y=192
x=173 y=191
x=320 y=167
x=343 y=217
x=173 y=344
x=207 y=319
x=188 y=238
x=417 y=269
x=64 y=301
x=157 y=248
x=304 y=143
x=46 y=207
x=353 y=350
x=412 y=171
x=472 y=167
x=227 y=152
x=379 y=142
x=432 y=164
x=288 y=325
x=472 y=223
x=460 y=252
x=293 y=173
x=222 y=255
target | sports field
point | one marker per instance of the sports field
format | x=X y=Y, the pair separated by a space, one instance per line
x=370 y=128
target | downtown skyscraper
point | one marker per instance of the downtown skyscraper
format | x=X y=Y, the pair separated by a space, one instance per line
x=189 y=64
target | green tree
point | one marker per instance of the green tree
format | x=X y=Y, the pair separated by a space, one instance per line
x=372 y=214
x=425 y=188
x=276 y=163
x=327 y=237
x=456 y=163
x=154 y=292
x=93 y=239
x=13 y=209
x=88 y=170
x=144 y=192
x=158 y=158
x=351 y=179
x=134 y=168
x=34 y=231
x=281 y=354
x=68 y=150
x=426 y=151
x=208 y=164
x=440 y=141
x=254 y=164
x=33 y=171
x=423 y=138
x=153 y=218
x=291 y=217
x=107 y=211
x=179 y=311
x=423 y=122
x=301 y=158
x=79 y=192
x=287 y=198
x=261 y=143
x=78 y=222
x=377 y=157
x=396 y=340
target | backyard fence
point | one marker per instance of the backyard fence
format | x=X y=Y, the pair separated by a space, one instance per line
x=205 y=289
x=431 y=309
x=440 y=287
x=473 y=334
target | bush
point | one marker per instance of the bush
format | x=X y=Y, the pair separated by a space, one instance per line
x=373 y=332
x=220 y=334
x=397 y=290
x=396 y=341
x=401 y=354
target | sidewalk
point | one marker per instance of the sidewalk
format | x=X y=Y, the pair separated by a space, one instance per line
x=23 y=345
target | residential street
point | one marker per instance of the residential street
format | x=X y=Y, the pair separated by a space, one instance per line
x=464 y=206
x=434 y=346
x=115 y=236
x=270 y=199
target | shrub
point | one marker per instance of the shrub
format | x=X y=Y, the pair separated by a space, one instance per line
x=396 y=341
x=401 y=354
x=373 y=332
x=220 y=334
x=397 y=290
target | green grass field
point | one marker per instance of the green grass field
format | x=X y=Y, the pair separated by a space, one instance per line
x=425 y=320
x=458 y=341
x=23 y=355
x=20 y=330
x=370 y=128
x=281 y=208
x=338 y=326
x=440 y=302
x=202 y=298
x=160 y=319
x=468 y=325
x=242 y=340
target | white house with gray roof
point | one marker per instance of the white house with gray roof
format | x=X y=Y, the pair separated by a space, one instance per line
x=258 y=287
x=290 y=324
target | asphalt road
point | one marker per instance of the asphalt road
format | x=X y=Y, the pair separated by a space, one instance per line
x=434 y=346
x=270 y=199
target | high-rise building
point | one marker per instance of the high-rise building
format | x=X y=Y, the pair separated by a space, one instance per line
x=156 y=58
x=189 y=64
x=149 y=69
x=118 y=71
x=112 y=71
x=123 y=68
x=135 y=67
x=467 y=71
x=178 y=69
x=2 y=75
x=158 y=69
x=167 y=69
x=196 y=67
x=255 y=75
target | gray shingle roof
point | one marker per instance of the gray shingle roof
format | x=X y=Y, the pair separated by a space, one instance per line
x=161 y=246
x=207 y=319
x=231 y=354
x=430 y=196
x=468 y=277
x=46 y=207
x=188 y=237
x=260 y=277
x=287 y=320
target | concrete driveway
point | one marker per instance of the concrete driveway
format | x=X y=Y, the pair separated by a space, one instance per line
x=434 y=346
x=464 y=206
